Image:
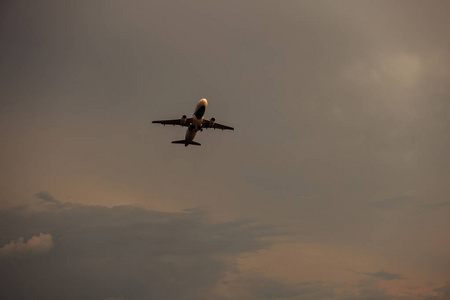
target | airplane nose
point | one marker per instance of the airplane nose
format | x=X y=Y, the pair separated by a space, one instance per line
x=204 y=102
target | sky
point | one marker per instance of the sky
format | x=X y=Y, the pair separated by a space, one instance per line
x=333 y=186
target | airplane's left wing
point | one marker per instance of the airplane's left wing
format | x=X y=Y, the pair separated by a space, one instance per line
x=181 y=122
x=212 y=124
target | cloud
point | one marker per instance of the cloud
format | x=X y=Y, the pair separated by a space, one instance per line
x=122 y=252
x=38 y=244
x=437 y=205
x=383 y=275
x=47 y=197
x=258 y=287
x=443 y=293
x=127 y=252
x=394 y=202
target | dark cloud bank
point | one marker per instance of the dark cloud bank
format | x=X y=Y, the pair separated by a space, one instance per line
x=128 y=252
x=122 y=252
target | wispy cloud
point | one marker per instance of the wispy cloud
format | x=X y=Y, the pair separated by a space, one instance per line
x=393 y=202
x=383 y=275
x=437 y=205
x=443 y=293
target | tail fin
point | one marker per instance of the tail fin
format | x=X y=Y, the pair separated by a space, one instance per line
x=186 y=143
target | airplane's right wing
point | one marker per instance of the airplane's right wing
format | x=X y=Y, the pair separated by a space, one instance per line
x=212 y=124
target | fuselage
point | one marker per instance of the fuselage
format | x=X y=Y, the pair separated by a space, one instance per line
x=197 y=120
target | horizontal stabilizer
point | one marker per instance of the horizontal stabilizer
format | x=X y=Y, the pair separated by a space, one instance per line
x=179 y=142
x=185 y=143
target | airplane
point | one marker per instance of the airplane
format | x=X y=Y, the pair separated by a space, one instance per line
x=194 y=124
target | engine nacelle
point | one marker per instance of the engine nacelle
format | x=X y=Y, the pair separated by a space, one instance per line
x=212 y=122
x=183 y=120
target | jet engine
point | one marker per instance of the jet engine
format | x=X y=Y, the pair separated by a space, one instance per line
x=183 y=120
x=212 y=122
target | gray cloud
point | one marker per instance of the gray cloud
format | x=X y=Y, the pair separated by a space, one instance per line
x=127 y=252
x=383 y=275
x=256 y=287
x=122 y=252
x=437 y=205
x=443 y=293
x=394 y=202
x=38 y=244
x=45 y=196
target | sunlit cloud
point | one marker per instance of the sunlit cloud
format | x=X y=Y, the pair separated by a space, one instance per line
x=38 y=244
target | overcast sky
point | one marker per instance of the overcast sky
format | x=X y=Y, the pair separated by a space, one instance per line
x=334 y=184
